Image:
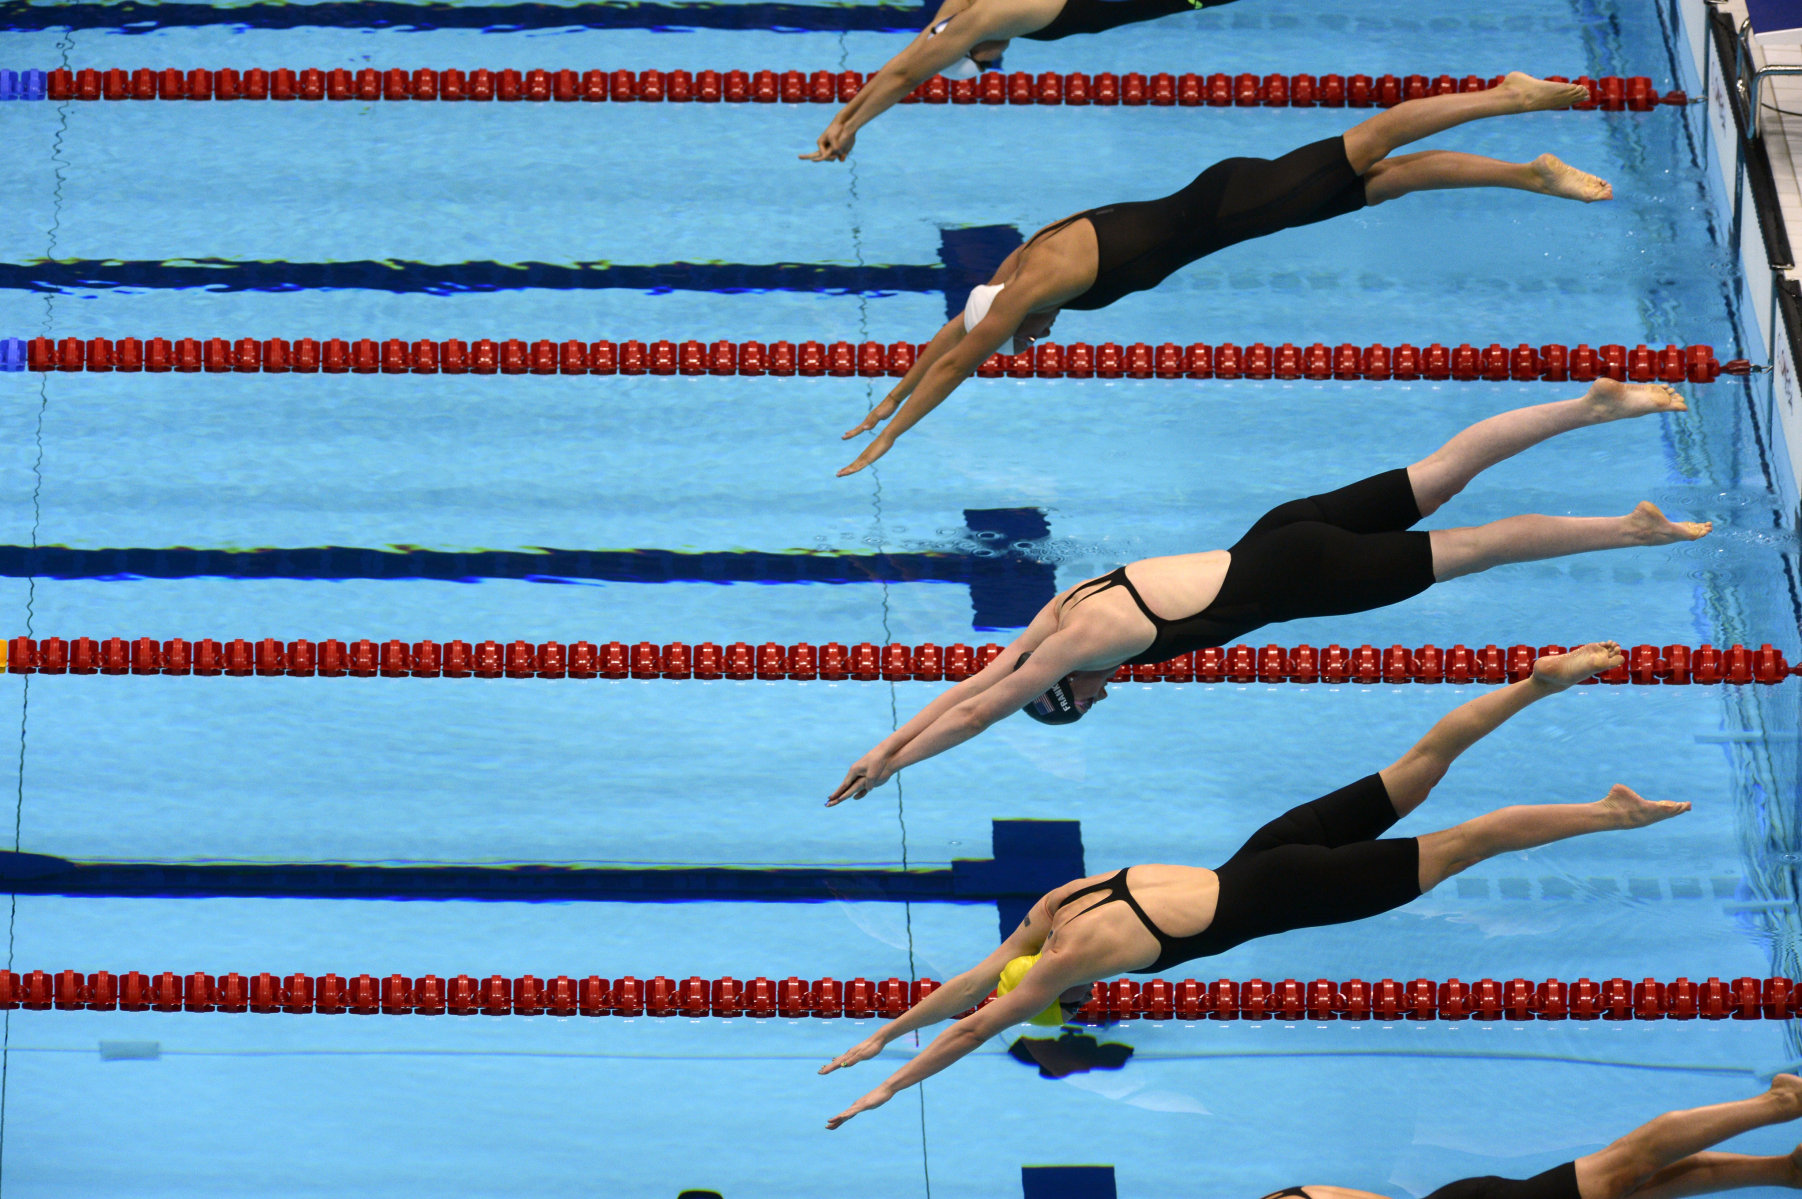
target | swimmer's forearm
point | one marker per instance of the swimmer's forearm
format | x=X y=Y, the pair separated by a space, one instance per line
x=878 y=94
x=942 y=343
x=926 y=717
x=941 y=380
x=958 y=994
x=958 y=1041
x=948 y=731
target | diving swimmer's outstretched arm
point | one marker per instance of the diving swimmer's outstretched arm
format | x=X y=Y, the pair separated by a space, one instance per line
x=942 y=369
x=942 y=343
x=1056 y=971
x=956 y=995
x=956 y=708
x=923 y=58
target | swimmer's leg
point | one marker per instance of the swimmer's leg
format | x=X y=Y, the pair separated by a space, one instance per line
x=1412 y=120
x=1445 y=472
x=1438 y=170
x=1708 y=1173
x=1412 y=777
x=1526 y=826
x=1664 y=1158
x=1535 y=537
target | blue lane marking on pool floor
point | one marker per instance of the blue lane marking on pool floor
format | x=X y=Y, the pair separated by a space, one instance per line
x=1067 y=1182
x=1030 y=858
x=20 y=16
x=1007 y=586
x=967 y=257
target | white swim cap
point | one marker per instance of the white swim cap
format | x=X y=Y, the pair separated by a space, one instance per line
x=964 y=68
x=977 y=306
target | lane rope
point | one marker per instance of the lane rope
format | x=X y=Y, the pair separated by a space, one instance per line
x=1645 y=665
x=1387 y=999
x=1551 y=363
x=1608 y=93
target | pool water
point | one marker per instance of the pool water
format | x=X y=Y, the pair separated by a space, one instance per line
x=1049 y=481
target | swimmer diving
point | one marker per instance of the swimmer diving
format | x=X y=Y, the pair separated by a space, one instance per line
x=1089 y=260
x=1343 y=551
x=967 y=37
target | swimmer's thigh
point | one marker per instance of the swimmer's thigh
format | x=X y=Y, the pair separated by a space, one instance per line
x=1310 y=568
x=1307 y=886
x=1560 y=1182
x=1382 y=503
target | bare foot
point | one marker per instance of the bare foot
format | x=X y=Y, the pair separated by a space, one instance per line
x=1617 y=401
x=1649 y=526
x=1556 y=178
x=1559 y=671
x=1538 y=95
x=1626 y=809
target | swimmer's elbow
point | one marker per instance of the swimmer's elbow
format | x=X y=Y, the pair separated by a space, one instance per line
x=971 y=719
x=908 y=69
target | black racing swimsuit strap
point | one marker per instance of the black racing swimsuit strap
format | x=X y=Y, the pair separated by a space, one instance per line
x=1138 y=599
x=1117 y=891
x=1165 y=940
x=1117 y=578
x=1106 y=884
x=1286 y=1192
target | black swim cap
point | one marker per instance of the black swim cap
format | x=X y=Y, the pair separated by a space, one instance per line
x=1057 y=705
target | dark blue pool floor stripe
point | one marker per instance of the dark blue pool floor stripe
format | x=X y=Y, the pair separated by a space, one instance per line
x=132 y=17
x=1006 y=587
x=1036 y=1182
x=1067 y=1182
x=1030 y=858
x=452 y=278
x=966 y=257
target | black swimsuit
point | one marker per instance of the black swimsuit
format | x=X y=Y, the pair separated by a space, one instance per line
x=1327 y=555
x=1319 y=863
x=1094 y=16
x=1140 y=244
x=1560 y=1182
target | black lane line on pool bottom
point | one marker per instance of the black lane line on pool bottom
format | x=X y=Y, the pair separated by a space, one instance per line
x=1007 y=586
x=1030 y=858
x=967 y=257
x=23 y=16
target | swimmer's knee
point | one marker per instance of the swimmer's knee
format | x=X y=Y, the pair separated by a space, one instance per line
x=1374 y=192
x=1444 y=854
x=1615 y=1172
x=1433 y=484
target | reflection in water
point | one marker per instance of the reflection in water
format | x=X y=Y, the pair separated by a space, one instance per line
x=1071 y=1053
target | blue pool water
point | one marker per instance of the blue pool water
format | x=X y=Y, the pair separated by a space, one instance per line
x=645 y=774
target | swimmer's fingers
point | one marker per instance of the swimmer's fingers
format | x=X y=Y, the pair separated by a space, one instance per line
x=863 y=1051
x=875 y=1098
x=878 y=414
x=873 y=451
x=854 y=779
x=829 y=147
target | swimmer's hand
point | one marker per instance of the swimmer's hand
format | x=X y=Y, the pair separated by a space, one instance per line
x=876 y=1098
x=878 y=414
x=866 y=774
x=878 y=446
x=863 y=1051
x=834 y=145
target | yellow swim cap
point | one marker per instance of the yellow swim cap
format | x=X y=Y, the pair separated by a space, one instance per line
x=1012 y=973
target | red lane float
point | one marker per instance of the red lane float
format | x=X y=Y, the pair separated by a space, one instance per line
x=1289 y=999
x=1495 y=363
x=1609 y=93
x=1645 y=665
